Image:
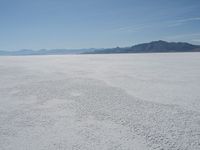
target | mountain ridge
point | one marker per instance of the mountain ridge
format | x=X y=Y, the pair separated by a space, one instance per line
x=154 y=46
x=151 y=47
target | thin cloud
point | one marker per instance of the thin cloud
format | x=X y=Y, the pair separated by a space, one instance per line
x=135 y=28
x=164 y=24
x=174 y=37
x=183 y=21
x=196 y=40
x=189 y=19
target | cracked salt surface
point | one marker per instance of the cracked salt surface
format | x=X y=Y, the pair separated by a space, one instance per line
x=136 y=102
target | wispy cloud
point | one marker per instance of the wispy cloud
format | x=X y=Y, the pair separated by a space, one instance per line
x=183 y=21
x=196 y=40
x=130 y=28
x=134 y=28
x=161 y=24
x=189 y=35
x=189 y=19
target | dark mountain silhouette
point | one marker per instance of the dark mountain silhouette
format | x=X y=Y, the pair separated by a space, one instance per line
x=153 y=47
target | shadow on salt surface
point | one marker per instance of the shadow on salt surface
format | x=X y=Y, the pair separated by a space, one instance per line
x=78 y=113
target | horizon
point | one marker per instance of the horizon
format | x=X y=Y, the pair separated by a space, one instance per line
x=60 y=24
x=76 y=49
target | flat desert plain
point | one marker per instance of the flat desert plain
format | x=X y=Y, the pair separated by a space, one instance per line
x=100 y=102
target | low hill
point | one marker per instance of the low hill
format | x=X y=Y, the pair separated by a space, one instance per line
x=46 y=52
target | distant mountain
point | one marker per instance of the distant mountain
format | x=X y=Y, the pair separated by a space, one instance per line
x=46 y=52
x=152 y=47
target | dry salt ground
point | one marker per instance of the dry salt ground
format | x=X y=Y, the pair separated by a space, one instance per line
x=100 y=102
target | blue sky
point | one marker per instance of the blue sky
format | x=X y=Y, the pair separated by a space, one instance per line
x=38 y=24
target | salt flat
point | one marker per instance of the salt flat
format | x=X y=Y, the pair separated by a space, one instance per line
x=100 y=102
